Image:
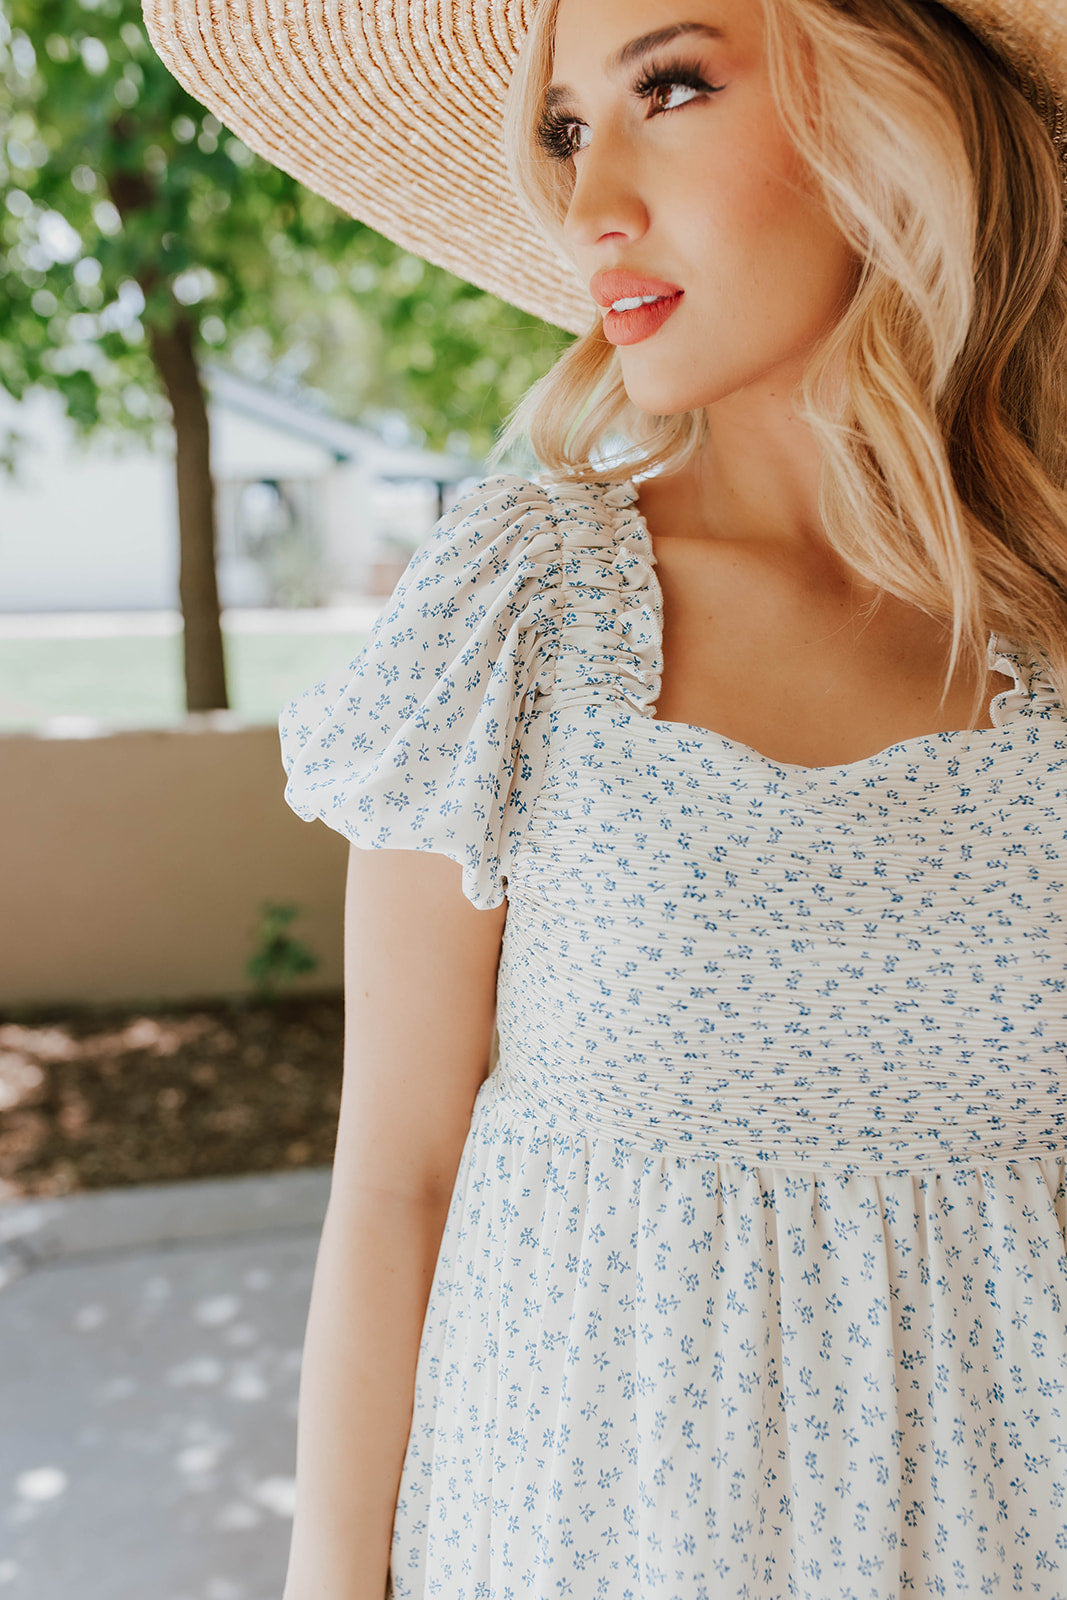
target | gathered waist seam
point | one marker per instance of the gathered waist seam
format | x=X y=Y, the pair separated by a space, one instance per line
x=506 y=1093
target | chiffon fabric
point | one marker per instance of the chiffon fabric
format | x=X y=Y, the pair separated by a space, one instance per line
x=754 y=1278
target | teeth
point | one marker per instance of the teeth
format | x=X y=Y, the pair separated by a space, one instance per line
x=639 y=300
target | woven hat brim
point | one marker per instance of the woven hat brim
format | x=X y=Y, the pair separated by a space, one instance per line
x=391 y=109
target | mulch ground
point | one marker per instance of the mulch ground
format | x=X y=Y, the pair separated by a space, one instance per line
x=92 y=1099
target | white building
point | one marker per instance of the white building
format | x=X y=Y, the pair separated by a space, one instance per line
x=310 y=509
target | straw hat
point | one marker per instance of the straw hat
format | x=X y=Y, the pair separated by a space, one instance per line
x=392 y=109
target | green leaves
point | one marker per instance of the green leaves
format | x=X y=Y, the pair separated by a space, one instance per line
x=277 y=957
x=125 y=202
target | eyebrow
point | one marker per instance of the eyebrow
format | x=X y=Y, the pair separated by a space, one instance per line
x=634 y=51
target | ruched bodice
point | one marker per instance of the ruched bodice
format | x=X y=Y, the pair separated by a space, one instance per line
x=754 y=1280
x=807 y=968
x=606 y=642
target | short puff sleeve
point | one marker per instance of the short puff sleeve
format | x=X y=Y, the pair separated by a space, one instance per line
x=427 y=740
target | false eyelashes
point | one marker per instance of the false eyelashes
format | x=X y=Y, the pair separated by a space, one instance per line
x=554 y=134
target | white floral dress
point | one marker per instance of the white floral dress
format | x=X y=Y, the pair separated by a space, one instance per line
x=754 y=1279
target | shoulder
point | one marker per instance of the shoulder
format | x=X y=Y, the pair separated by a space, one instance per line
x=471 y=593
x=510 y=501
x=481 y=568
x=510 y=602
x=412 y=743
x=509 y=535
x=509 y=506
x=491 y=511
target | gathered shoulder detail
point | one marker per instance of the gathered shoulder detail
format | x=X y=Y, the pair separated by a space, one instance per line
x=1034 y=688
x=428 y=738
x=609 y=628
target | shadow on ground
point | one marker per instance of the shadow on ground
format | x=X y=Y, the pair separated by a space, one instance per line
x=152 y=1341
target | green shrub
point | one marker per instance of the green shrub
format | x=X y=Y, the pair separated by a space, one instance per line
x=277 y=958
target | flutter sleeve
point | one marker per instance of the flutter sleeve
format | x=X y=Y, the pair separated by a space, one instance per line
x=425 y=741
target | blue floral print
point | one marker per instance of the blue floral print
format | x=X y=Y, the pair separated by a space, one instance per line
x=754 y=1279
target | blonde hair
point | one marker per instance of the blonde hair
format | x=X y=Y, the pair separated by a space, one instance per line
x=944 y=476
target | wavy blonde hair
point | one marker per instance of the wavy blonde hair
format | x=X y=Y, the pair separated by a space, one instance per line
x=944 y=476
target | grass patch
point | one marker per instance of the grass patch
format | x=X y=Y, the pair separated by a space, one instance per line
x=137 y=681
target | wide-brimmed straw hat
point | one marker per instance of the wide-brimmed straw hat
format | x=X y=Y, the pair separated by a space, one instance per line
x=393 y=109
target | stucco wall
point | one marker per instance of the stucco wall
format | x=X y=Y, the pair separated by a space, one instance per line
x=133 y=865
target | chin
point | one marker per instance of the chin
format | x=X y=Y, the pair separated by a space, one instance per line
x=666 y=399
x=670 y=393
x=665 y=384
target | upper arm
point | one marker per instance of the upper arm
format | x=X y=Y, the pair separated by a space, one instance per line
x=420 y=1008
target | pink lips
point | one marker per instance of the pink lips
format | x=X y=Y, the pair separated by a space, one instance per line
x=619 y=284
x=629 y=327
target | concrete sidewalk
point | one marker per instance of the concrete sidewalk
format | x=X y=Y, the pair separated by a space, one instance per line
x=150 y=1343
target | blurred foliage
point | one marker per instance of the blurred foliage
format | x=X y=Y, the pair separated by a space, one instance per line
x=126 y=204
x=277 y=957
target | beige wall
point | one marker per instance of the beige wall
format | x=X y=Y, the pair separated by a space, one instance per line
x=133 y=865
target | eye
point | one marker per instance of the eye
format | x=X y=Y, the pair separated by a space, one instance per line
x=658 y=86
x=556 y=135
x=560 y=135
x=662 y=92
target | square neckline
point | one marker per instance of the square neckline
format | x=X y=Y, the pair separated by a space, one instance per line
x=696 y=731
x=996 y=649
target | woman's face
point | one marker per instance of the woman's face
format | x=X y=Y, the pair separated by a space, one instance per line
x=686 y=182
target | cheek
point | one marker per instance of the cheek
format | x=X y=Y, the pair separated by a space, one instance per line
x=771 y=278
x=793 y=217
x=743 y=235
x=741 y=194
x=760 y=231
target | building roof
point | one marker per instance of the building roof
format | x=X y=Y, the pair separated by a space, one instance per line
x=346 y=441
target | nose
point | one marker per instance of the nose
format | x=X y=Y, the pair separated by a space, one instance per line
x=606 y=200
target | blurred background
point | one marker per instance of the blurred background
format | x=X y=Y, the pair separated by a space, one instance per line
x=228 y=415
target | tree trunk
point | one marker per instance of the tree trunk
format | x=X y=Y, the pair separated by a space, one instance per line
x=174 y=353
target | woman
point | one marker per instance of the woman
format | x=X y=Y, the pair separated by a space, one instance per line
x=721 y=764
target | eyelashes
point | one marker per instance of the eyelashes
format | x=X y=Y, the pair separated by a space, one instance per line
x=686 y=73
x=555 y=134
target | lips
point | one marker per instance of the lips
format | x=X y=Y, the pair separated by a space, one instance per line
x=640 y=322
x=607 y=287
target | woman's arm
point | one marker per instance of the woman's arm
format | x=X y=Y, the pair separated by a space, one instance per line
x=420 y=1006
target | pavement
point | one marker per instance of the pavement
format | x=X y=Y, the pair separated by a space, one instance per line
x=150 y=1345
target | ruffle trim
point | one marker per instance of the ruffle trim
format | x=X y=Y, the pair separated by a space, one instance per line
x=420 y=742
x=610 y=614
x=530 y=593
x=609 y=630
x=1034 y=689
